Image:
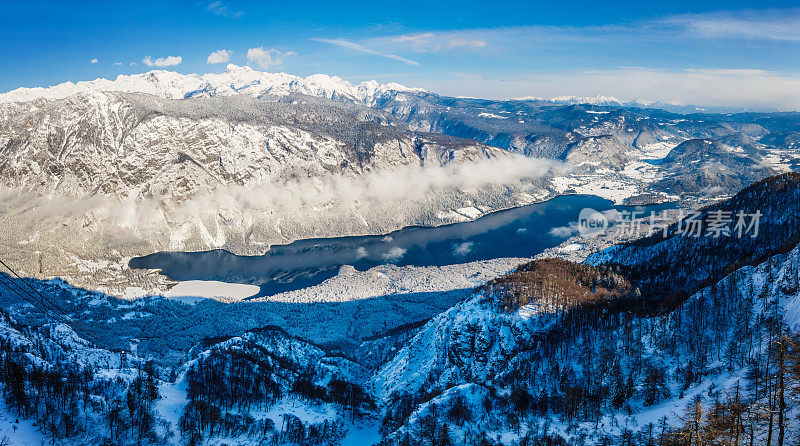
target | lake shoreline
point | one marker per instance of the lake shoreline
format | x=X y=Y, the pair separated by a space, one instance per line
x=308 y=262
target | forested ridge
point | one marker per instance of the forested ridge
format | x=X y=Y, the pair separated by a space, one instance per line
x=592 y=353
x=75 y=393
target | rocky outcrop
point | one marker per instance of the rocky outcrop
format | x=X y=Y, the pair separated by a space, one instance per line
x=596 y=152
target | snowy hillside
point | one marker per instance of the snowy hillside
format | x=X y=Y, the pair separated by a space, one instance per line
x=534 y=374
x=268 y=385
x=577 y=354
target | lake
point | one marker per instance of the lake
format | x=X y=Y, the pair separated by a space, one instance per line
x=518 y=232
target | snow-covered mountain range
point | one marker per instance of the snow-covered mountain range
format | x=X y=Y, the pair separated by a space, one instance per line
x=235 y=80
x=103 y=170
x=611 y=101
x=245 y=80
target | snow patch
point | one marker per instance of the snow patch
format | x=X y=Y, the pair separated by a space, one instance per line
x=211 y=289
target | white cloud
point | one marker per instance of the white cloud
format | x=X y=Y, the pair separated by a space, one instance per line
x=769 y=24
x=438 y=41
x=516 y=39
x=394 y=254
x=219 y=8
x=362 y=49
x=93 y=61
x=463 y=249
x=219 y=56
x=168 y=61
x=377 y=188
x=117 y=63
x=265 y=59
x=766 y=24
x=564 y=231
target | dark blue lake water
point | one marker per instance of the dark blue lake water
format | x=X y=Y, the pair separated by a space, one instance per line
x=517 y=232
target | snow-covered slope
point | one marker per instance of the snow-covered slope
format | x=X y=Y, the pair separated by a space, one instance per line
x=548 y=349
x=138 y=146
x=261 y=386
x=586 y=378
x=596 y=151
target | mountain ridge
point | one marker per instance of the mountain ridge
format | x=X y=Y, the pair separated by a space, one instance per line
x=234 y=80
x=243 y=79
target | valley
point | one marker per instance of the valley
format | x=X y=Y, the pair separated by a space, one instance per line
x=96 y=173
x=249 y=257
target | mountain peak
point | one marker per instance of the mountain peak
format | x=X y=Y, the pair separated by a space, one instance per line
x=230 y=68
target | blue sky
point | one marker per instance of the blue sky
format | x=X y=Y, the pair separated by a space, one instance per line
x=718 y=53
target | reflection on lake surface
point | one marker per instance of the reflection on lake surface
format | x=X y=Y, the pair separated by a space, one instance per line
x=517 y=232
